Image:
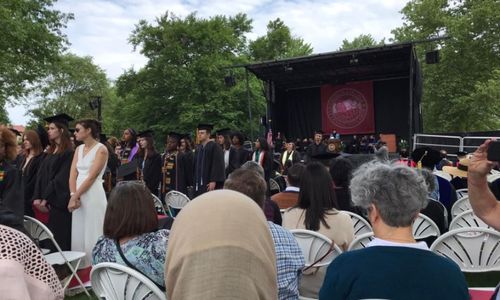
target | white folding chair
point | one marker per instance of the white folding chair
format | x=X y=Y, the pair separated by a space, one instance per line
x=361 y=241
x=462 y=204
x=274 y=186
x=314 y=245
x=443 y=175
x=494 y=176
x=424 y=227
x=158 y=205
x=467 y=219
x=462 y=193
x=72 y=259
x=113 y=281
x=473 y=249
x=175 y=200
x=361 y=226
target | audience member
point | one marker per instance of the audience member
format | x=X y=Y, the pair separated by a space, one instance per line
x=289 y=257
x=434 y=209
x=341 y=172
x=221 y=248
x=317 y=211
x=24 y=272
x=482 y=200
x=458 y=173
x=394 y=265
x=271 y=209
x=130 y=232
x=290 y=196
x=444 y=160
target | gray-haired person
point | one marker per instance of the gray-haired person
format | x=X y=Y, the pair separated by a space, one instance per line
x=394 y=265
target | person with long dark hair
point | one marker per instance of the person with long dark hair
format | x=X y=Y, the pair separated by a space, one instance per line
x=10 y=180
x=34 y=143
x=129 y=149
x=317 y=210
x=52 y=192
x=88 y=199
x=262 y=156
x=148 y=162
x=238 y=155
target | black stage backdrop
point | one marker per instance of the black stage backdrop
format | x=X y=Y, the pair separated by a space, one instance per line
x=297 y=113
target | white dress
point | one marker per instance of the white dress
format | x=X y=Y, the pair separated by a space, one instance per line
x=88 y=219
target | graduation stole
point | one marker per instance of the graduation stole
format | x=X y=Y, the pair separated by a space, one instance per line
x=259 y=158
x=170 y=163
x=286 y=156
x=2 y=173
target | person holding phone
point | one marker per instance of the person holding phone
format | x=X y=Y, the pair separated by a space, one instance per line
x=483 y=202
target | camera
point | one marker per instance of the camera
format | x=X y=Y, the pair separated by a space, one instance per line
x=494 y=151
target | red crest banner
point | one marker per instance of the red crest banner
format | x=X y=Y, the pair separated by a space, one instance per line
x=348 y=108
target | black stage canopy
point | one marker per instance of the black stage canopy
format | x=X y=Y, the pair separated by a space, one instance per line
x=293 y=88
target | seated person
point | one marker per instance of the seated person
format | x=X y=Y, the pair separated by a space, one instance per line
x=290 y=196
x=24 y=272
x=289 y=257
x=341 y=172
x=458 y=174
x=221 y=248
x=317 y=210
x=394 y=265
x=131 y=224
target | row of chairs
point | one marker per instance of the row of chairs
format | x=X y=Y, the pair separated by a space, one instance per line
x=174 y=201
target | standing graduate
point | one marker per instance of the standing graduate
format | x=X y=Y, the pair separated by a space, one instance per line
x=290 y=156
x=208 y=162
x=262 y=155
x=318 y=147
x=238 y=155
x=34 y=143
x=148 y=162
x=177 y=167
x=11 y=192
x=52 y=185
x=129 y=149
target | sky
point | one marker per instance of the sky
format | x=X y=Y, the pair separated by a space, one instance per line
x=101 y=27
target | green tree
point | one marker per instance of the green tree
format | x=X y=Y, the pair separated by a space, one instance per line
x=30 y=42
x=278 y=43
x=183 y=81
x=360 y=42
x=469 y=61
x=4 y=116
x=69 y=87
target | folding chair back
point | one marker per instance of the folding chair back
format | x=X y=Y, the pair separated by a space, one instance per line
x=361 y=241
x=37 y=229
x=314 y=245
x=462 y=193
x=274 y=186
x=467 y=219
x=160 y=209
x=175 y=200
x=113 y=281
x=460 y=206
x=424 y=227
x=361 y=226
x=473 y=249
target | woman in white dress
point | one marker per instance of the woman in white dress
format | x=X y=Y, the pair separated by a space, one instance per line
x=88 y=199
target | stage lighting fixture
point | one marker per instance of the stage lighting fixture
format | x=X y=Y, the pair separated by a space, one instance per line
x=229 y=80
x=432 y=57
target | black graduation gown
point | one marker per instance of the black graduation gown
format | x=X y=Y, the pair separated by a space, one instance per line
x=208 y=167
x=29 y=175
x=314 y=150
x=52 y=184
x=150 y=171
x=11 y=190
x=177 y=172
x=237 y=157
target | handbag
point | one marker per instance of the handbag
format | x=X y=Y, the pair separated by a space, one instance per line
x=162 y=288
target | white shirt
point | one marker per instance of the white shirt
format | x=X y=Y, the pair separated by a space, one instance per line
x=381 y=242
x=292 y=189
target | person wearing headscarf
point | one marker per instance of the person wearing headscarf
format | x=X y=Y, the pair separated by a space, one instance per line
x=209 y=257
x=24 y=272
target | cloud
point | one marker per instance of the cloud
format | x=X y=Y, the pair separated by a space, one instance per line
x=101 y=28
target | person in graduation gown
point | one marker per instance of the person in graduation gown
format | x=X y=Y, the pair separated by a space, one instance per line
x=111 y=166
x=177 y=167
x=11 y=192
x=129 y=149
x=209 y=168
x=262 y=155
x=238 y=155
x=224 y=142
x=148 y=162
x=290 y=156
x=51 y=192
x=318 y=147
x=34 y=142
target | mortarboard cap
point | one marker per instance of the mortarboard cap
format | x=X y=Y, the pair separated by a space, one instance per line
x=205 y=127
x=223 y=131
x=175 y=135
x=43 y=135
x=127 y=169
x=428 y=156
x=60 y=118
x=145 y=133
